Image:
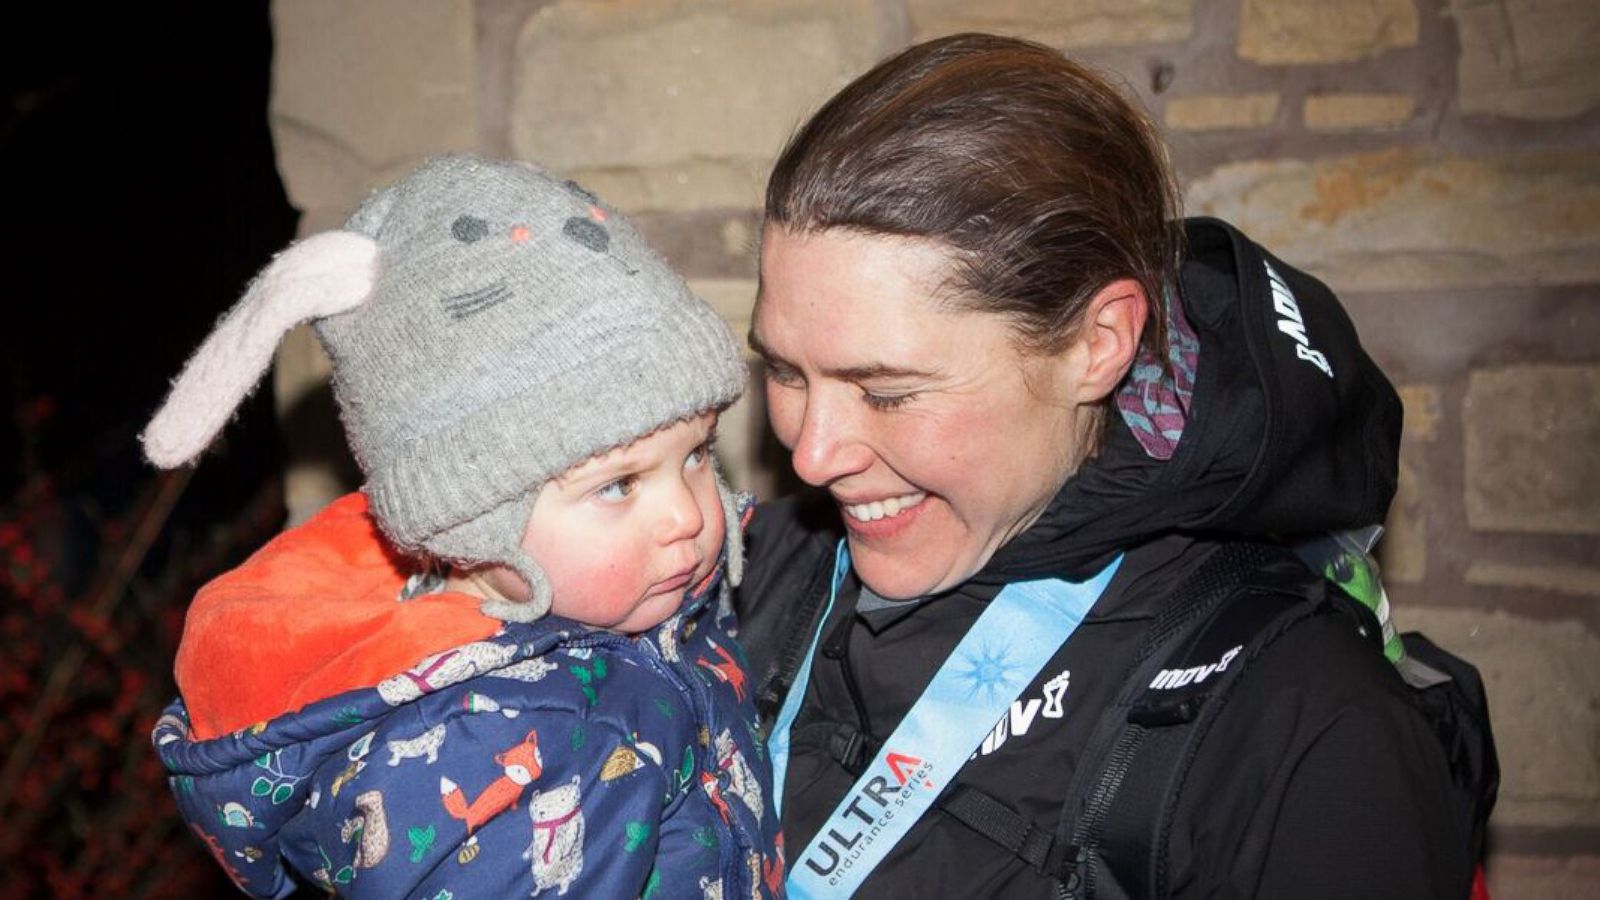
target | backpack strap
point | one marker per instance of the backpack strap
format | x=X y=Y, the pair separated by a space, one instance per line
x=1450 y=693
x=1059 y=855
x=1117 y=844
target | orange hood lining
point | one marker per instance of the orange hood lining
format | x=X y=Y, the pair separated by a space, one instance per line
x=314 y=613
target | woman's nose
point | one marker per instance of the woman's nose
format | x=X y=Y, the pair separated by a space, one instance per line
x=829 y=446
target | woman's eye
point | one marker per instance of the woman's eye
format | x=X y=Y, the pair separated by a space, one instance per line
x=886 y=401
x=782 y=375
x=617 y=491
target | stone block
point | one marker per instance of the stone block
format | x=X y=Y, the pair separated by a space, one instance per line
x=684 y=104
x=738 y=239
x=1347 y=112
x=1403 y=552
x=1303 y=32
x=1543 y=683
x=1423 y=404
x=1578 y=581
x=1218 y=112
x=1544 y=877
x=1420 y=217
x=1531 y=433
x=1527 y=59
x=1079 y=24
x=707 y=243
x=318 y=468
x=740 y=430
x=363 y=90
x=733 y=299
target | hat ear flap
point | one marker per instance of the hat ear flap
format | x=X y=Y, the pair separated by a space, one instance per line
x=734 y=509
x=323 y=275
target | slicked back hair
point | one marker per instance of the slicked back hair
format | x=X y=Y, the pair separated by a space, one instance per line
x=1045 y=182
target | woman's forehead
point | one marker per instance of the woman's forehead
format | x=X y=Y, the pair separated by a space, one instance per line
x=860 y=311
x=843 y=275
x=857 y=301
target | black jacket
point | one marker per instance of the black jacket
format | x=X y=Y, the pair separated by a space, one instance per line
x=1320 y=778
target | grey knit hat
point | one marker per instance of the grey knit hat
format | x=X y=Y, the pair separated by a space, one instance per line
x=490 y=327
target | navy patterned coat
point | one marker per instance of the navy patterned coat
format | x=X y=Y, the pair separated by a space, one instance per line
x=545 y=759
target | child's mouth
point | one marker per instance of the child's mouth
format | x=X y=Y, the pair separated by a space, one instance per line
x=677 y=582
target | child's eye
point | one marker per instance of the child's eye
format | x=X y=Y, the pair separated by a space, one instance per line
x=886 y=401
x=617 y=491
x=698 y=456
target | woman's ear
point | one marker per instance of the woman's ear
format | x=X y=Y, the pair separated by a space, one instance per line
x=1106 y=346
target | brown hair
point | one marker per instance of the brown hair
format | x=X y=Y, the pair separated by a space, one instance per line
x=1046 y=181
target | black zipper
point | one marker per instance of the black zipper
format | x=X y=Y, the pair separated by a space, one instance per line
x=795 y=645
x=1077 y=871
x=837 y=647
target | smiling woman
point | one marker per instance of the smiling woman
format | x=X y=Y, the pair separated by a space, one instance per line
x=892 y=405
x=1033 y=429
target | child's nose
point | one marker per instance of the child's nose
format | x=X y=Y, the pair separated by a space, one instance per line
x=682 y=518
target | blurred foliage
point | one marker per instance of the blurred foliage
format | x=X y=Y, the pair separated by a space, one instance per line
x=98 y=557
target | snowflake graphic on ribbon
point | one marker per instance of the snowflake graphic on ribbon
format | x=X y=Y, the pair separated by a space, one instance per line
x=986 y=670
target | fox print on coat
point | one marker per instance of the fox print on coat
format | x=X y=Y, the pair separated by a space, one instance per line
x=522 y=765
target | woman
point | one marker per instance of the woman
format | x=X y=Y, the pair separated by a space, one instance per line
x=998 y=361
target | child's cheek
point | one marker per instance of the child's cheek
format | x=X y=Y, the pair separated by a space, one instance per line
x=618 y=583
x=599 y=583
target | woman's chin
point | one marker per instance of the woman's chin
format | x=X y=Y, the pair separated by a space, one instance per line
x=890 y=554
x=896 y=576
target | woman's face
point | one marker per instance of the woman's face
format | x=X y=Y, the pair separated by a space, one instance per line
x=937 y=437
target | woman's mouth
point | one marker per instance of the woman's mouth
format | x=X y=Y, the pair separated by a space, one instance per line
x=883 y=509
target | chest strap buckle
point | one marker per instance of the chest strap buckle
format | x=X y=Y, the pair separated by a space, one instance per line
x=851 y=749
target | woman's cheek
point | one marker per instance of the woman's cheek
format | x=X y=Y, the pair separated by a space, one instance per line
x=945 y=437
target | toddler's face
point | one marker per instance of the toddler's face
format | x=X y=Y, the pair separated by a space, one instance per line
x=621 y=537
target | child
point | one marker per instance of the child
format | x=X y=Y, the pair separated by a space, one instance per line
x=502 y=669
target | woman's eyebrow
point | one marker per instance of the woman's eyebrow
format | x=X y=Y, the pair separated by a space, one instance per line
x=758 y=348
x=866 y=372
x=876 y=371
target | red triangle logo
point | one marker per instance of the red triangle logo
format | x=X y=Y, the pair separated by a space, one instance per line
x=900 y=765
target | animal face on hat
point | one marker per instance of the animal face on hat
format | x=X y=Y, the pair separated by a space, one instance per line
x=490 y=326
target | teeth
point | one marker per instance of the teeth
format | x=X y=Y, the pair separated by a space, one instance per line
x=880 y=509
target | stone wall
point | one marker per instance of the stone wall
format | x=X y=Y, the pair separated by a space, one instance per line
x=1436 y=161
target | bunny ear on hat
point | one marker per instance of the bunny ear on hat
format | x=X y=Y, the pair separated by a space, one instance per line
x=323 y=275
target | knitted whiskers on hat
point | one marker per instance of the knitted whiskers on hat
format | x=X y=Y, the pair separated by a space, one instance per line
x=490 y=327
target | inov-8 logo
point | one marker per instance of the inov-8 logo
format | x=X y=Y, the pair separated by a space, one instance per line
x=1172 y=679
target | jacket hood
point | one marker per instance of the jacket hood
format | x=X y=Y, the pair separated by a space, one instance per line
x=310 y=615
x=1289 y=426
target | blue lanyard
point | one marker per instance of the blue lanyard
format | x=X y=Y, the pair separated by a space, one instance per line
x=1001 y=654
